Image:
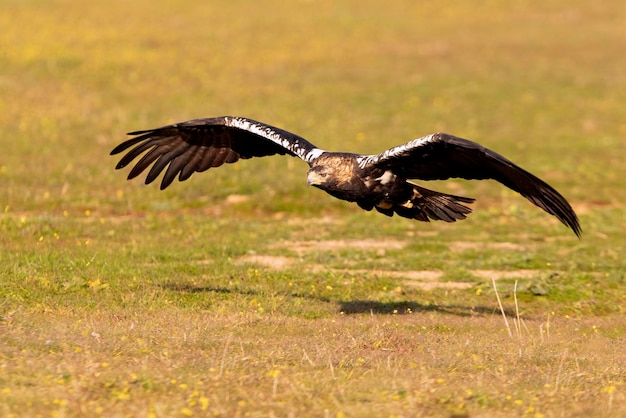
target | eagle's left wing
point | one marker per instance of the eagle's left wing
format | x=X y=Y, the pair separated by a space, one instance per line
x=200 y=144
x=442 y=156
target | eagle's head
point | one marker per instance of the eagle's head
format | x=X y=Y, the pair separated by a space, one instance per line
x=318 y=176
x=335 y=175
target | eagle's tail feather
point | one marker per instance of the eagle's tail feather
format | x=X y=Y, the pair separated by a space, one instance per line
x=426 y=204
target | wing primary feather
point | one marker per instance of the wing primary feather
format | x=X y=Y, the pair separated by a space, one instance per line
x=176 y=165
x=144 y=162
x=166 y=157
x=126 y=144
x=220 y=157
x=134 y=153
x=188 y=169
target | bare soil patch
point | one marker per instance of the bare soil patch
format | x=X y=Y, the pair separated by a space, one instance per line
x=324 y=220
x=431 y=285
x=459 y=246
x=270 y=261
x=380 y=246
x=426 y=275
x=502 y=274
x=422 y=279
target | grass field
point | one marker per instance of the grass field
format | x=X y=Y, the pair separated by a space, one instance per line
x=243 y=293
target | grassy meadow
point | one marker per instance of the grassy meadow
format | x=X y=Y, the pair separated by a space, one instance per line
x=240 y=292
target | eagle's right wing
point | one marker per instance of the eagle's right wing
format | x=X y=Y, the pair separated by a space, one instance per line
x=200 y=144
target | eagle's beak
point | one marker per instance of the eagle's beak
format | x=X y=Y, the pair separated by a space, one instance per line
x=313 y=178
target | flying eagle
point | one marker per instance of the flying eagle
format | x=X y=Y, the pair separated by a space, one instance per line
x=378 y=182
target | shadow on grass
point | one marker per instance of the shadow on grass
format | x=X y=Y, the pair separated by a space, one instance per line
x=354 y=307
x=407 y=307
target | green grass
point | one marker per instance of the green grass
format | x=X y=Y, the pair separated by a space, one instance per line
x=243 y=293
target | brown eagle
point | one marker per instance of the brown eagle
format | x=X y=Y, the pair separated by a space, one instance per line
x=378 y=182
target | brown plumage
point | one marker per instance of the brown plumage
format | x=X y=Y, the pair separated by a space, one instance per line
x=378 y=182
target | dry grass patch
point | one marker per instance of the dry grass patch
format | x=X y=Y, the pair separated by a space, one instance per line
x=173 y=363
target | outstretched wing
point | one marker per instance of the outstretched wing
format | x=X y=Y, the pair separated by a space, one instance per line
x=441 y=156
x=200 y=144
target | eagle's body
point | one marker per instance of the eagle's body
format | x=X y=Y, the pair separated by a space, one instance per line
x=378 y=182
x=341 y=176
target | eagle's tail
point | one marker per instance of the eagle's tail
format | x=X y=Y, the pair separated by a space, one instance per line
x=426 y=204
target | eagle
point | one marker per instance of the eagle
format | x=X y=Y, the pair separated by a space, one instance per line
x=380 y=182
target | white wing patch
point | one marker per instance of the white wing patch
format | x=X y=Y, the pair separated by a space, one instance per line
x=313 y=154
x=290 y=143
x=261 y=130
x=386 y=178
x=366 y=160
